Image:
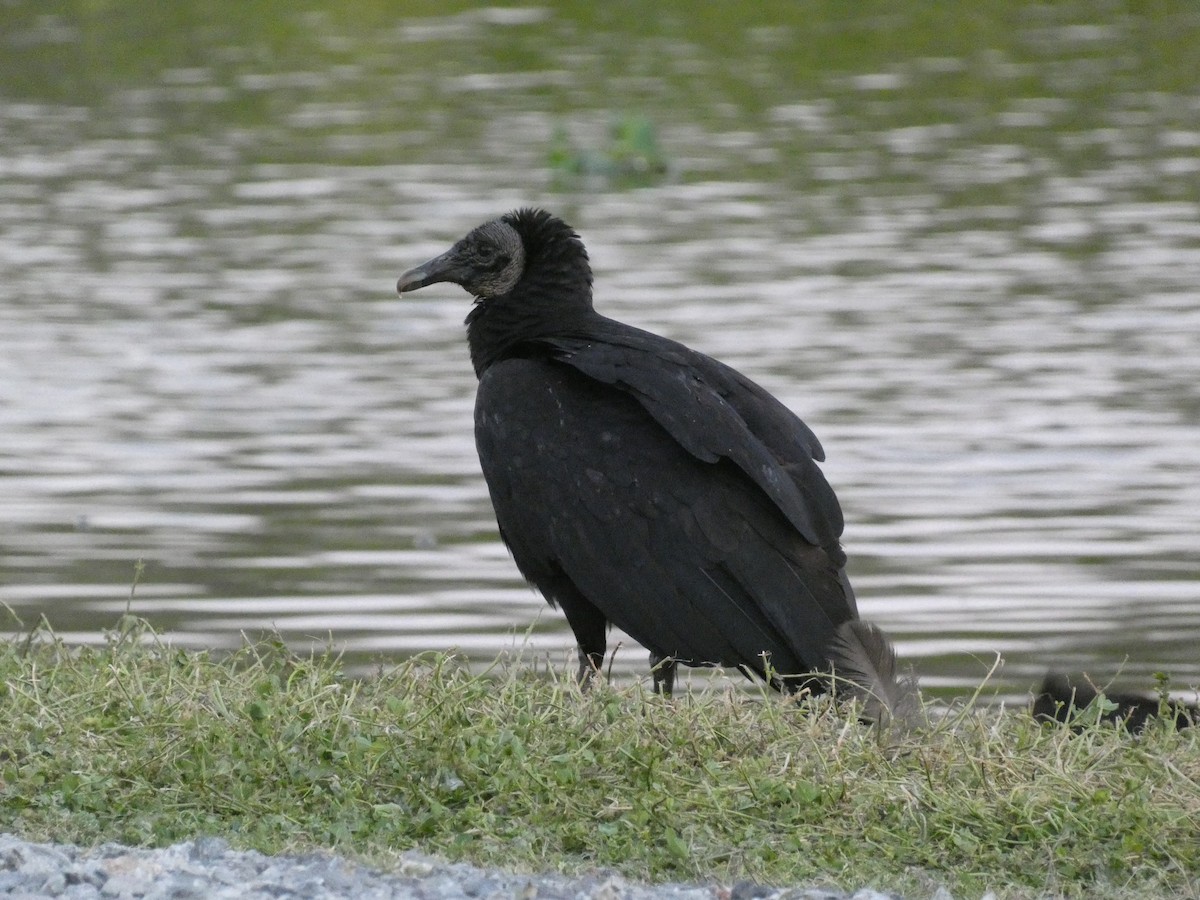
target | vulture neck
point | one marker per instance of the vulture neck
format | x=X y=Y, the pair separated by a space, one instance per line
x=542 y=305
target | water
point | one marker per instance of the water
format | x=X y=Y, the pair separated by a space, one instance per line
x=963 y=246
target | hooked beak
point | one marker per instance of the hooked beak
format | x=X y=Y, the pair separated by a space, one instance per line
x=440 y=268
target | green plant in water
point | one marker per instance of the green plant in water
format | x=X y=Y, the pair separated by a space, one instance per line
x=631 y=156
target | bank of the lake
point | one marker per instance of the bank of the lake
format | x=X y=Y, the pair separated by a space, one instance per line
x=515 y=770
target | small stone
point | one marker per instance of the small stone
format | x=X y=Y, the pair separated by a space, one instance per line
x=415 y=867
x=90 y=872
x=612 y=888
x=123 y=885
x=181 y=887
x=208 y=848
x=748 y=890
x=54 y=885
x=40 y=860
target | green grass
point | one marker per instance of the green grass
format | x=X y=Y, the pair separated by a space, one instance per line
x=145 y=744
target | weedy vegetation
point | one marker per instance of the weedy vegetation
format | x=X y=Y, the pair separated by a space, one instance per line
x=515 y=767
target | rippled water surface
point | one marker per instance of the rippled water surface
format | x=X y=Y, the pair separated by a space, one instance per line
x=965 y=250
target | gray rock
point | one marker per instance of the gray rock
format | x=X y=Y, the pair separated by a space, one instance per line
x=209 y=868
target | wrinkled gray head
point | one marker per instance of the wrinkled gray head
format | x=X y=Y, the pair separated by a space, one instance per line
x=488 y=262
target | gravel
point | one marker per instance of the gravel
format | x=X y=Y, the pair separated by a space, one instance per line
x=208 y=868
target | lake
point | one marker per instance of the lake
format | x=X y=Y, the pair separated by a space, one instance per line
x=962 y=243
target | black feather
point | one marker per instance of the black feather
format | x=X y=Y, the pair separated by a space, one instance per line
x=864 y=662
x=1063 y=699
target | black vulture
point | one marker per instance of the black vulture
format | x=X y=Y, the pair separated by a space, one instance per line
x=640 y=483
x=1062 y=699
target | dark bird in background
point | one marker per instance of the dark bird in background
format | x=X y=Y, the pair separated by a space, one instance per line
x=640 y=483
x=1062 y=699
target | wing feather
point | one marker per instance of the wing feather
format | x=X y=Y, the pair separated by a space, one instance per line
x=681 y=553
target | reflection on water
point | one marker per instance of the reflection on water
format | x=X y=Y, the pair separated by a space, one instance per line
x=971 y=269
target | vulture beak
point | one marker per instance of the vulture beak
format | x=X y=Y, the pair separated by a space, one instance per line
x=446 y=267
